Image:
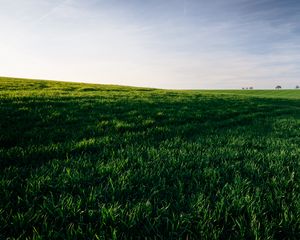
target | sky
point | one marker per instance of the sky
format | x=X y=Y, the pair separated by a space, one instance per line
x=174 y=44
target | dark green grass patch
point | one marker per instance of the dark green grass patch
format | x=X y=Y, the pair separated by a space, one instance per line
x=83 y=161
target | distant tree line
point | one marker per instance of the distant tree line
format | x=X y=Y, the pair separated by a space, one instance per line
x=247 y=88
x=277 y=87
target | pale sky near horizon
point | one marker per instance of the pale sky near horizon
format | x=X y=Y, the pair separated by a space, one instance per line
x=178 y=44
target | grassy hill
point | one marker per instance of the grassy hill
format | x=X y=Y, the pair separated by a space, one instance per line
x=110 y=162
x=285 y=94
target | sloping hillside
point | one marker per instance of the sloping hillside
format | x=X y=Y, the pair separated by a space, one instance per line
x=109 y=162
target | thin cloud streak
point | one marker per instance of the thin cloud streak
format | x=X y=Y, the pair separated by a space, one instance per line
x=53 y=10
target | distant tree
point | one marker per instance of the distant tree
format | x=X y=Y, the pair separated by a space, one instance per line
x=297 y=87
x=250 y=88
x=243 y=88
x=278 y=87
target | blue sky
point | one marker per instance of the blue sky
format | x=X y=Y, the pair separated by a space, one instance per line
x=184 y=44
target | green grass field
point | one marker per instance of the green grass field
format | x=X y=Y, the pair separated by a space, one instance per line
x=84 y=161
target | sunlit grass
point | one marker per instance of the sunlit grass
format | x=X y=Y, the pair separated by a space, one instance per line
x=111 y=162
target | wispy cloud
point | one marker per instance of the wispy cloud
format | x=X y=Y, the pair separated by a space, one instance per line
x=54 y=9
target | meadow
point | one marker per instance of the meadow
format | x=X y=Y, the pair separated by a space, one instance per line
x=86 y=161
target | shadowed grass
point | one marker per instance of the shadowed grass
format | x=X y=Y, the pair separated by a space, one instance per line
x=109 y=162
